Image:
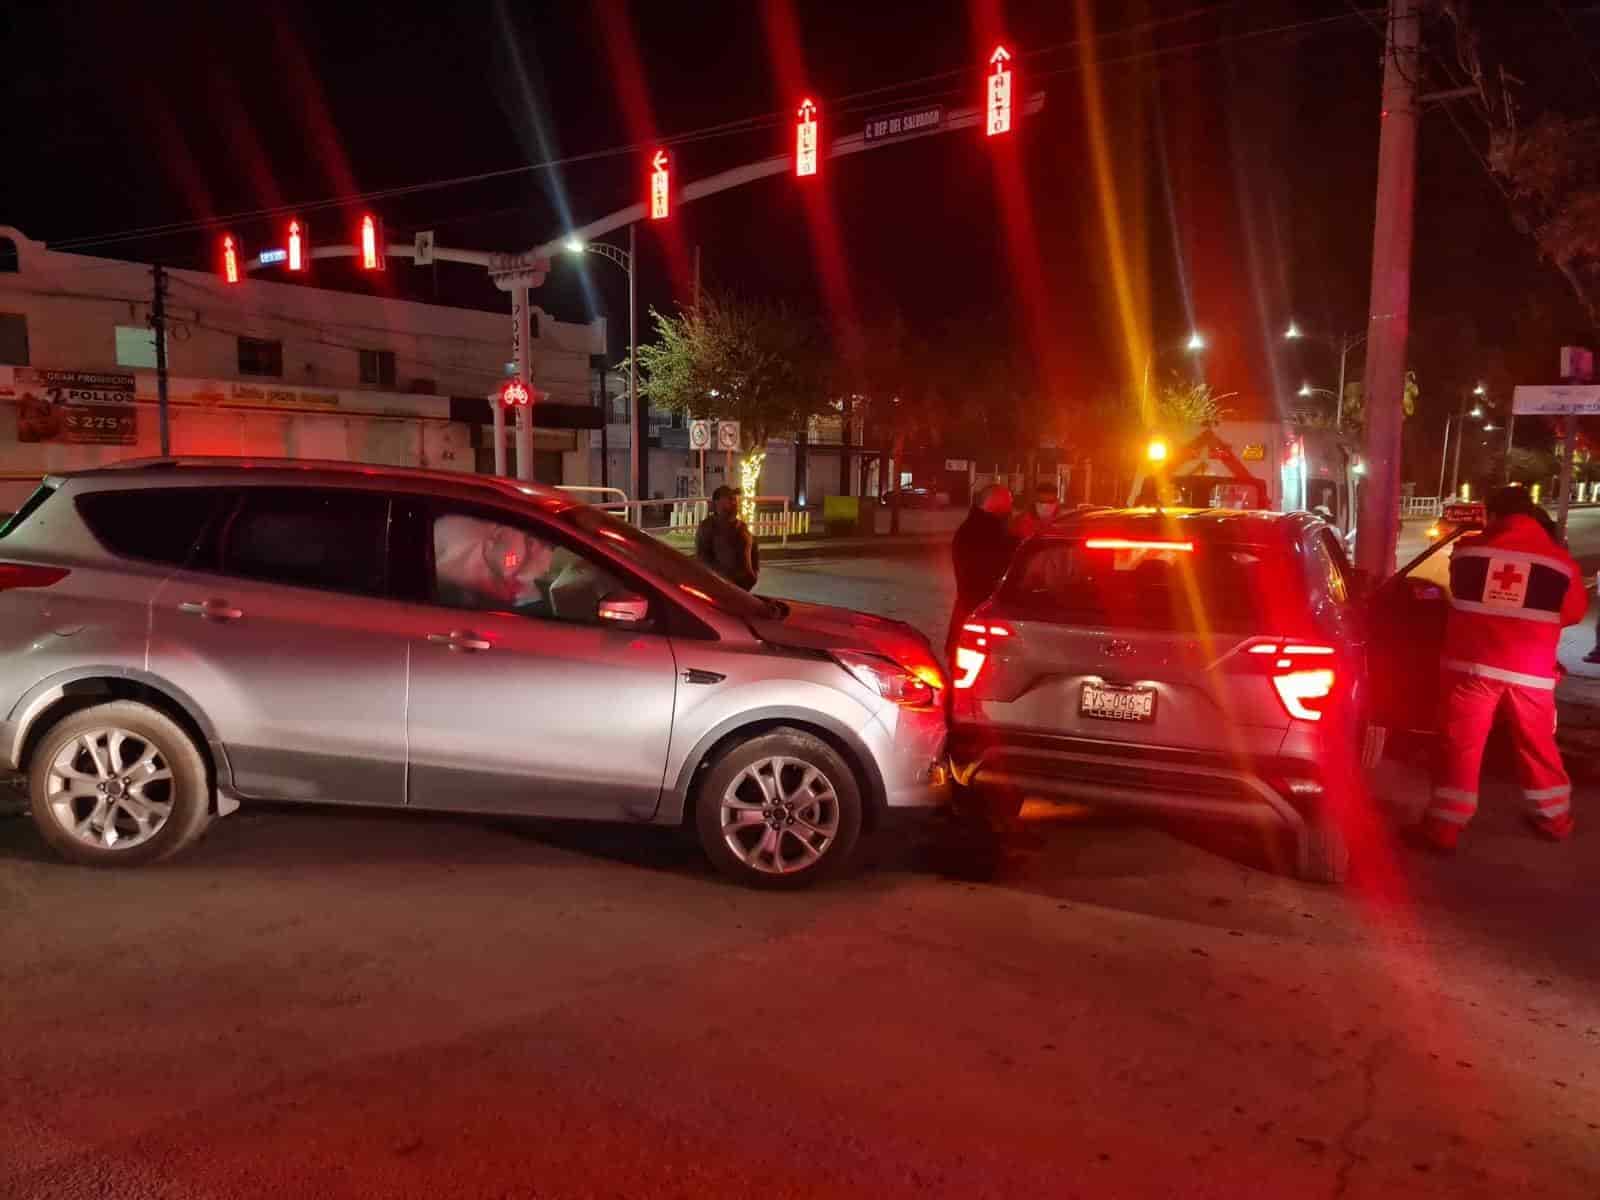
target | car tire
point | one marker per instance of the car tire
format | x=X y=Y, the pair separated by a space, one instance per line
x=1324 y=854
x=984 y=808
x=780 y=810
x=162 y=801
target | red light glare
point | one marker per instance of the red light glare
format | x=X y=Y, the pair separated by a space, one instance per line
x=805 y=139
x=230 y=259
x=660 y=191
x=998 y=106
x=296 y=247
x=694 y=591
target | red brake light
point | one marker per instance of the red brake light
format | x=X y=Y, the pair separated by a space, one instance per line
x=973 y=650
x=1136 y=544
x=1301 y=675
x=21 y=575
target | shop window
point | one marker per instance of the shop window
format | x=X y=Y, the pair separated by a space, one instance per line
x=260 y=356
x=13 y=340
x=377 y=367
x=136 y=346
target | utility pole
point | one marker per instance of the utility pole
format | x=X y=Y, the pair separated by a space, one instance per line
x=640 y=466
x=1389 y=313
x=158 y=323
x=697 y=277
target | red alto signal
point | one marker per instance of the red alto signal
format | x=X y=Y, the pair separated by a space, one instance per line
x=299 y=251
x=230 y=258
x=806 y=139
x=660 y=186
x=372 y=246
x=999 y=99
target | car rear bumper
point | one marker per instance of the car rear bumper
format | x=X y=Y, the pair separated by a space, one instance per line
x=1245 y=787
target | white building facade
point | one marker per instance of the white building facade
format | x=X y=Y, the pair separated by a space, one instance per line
x=266 y=368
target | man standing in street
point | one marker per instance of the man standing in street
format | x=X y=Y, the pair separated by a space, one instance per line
x=724 y=542
x=1512 y=588
x=981 y=552
x=1038 y=514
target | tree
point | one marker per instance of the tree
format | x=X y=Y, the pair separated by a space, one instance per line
x=1351 y=418
x=1185 y=403
x=758 y=363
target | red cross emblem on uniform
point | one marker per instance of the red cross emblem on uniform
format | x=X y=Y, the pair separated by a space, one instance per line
x=1507 y=577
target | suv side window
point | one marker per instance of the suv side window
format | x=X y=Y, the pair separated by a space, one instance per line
x=328 y=538
x=1330 y=566
x=159 y=525
x=485 y=561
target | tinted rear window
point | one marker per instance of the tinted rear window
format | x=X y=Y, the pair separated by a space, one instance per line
x=309 y=537
x=1216 y=587
x=29 y=506
x=160 y=525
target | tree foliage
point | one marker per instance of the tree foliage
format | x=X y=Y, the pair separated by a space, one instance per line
x=761 y=364
x=1187 y=403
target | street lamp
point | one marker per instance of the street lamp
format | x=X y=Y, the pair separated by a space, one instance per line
x=1343 y=344
x=1480 y=390
x=625 y=259
x=1195 y=344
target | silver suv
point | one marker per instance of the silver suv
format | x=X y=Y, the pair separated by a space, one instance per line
x=1200 y=662
x=180 y=635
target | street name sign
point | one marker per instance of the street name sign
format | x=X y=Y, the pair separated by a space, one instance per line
x=1569 y=399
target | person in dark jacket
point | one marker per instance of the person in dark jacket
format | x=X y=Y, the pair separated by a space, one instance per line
x=724 y=542
x=1046 y=504
x=981 y=552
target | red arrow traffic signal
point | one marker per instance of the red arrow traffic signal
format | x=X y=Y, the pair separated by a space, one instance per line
x=372 y=246
x=230 y=258
x=999 y=99
x=299 y=248
x=805 y=139
x=660 y=186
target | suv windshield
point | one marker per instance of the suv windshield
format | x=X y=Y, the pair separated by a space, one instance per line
x=1178 y=587
x=655 y=558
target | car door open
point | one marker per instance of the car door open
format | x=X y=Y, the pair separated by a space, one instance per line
x=1405 y=638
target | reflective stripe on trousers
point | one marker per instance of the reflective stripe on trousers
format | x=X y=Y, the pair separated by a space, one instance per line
x=1468 y=706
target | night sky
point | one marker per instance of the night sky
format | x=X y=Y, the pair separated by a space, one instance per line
x=1251 y=200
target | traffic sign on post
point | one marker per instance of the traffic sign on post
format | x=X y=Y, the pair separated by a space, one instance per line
x=999 y=103
x=660 y=186
x=727 y=435
x=805 y=139
x=699 y=435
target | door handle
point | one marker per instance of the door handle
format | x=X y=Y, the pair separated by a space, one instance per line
x=211 y=610
x=460 y=640
x=695 y=675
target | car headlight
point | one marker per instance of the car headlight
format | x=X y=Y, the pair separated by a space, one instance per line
x=909 y=687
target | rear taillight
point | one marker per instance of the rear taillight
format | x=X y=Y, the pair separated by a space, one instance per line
x=909 y=687
x=973 y=648
x=1303 y=674
x=22 y=575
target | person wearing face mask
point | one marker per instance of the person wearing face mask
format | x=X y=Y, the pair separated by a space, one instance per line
x=1037 y=515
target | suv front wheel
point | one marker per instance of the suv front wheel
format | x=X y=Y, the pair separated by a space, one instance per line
x=118 y=784
x=780 y=810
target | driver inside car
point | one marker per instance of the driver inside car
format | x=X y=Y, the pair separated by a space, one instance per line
x=485 y=565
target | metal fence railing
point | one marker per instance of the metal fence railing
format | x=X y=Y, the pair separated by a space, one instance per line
x=1419 y=506
x=773 y=517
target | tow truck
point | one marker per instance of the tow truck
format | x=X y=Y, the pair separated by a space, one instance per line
x=1269 y=465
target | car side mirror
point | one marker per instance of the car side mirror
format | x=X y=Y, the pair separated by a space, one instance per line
x=624 y=608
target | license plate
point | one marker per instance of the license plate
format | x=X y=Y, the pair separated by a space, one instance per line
x=1109 y=702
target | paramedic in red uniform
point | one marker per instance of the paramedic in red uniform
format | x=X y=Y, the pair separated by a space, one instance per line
x=1512 y=589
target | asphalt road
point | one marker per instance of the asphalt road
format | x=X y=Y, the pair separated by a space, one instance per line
x=331 y=1004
